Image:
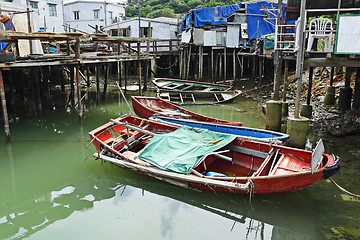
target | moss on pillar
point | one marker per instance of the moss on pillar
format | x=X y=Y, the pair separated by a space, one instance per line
x=329 y=98
x=297 y=128
x=273 y=115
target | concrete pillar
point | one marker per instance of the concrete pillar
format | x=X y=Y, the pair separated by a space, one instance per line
x=345 y=98
x=297 y=128
x=273 y=115
x=285 y=109
x=330 y=95
x=306 y=110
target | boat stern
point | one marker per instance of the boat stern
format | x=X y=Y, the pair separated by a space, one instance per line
x=333 y=167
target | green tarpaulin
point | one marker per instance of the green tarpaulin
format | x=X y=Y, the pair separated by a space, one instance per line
x=181 y=150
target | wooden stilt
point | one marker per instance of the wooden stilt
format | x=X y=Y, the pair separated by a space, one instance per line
x=212 y=65
x=286 y=75
x=225 y=60
x=119 y=72
x=181 y=64
x=38 y=93
x=146 y=74
x=78 y=88
x=72 y=88
x=311 y=73
x=220 y=66
x=331 y=76
x=126 y=75
x=139 y=68
x=356 y=98
x=88 y=76
x=188 y=63
x=277 y=73
x=216 y=64
x=107 y=69
x=201 y=62
x=234 y=64
x=3 y=104
x=97 y=68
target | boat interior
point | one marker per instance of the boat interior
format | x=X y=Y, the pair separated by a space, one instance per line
x=232 y=160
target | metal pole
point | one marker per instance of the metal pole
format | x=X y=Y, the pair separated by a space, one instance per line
x=300 y=60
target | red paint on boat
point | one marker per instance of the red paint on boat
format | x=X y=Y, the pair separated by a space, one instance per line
x=146 y=107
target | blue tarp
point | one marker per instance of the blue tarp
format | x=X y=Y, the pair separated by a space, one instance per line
x=265 y=26
x=213 y=16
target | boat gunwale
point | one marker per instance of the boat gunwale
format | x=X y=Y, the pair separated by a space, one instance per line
x=228 y=87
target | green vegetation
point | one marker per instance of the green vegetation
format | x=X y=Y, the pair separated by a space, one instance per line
x=170 y=8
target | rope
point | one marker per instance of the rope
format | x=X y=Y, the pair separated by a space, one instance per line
x=169 y=66
x=357 y=197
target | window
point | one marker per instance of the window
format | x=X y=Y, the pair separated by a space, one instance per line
x=110 y=15
x=96 y=14
x=34 y=4
x=52 y=10
x=76 y=15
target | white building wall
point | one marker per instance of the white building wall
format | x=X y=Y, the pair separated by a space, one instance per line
x=86 y=14
x=44 y=20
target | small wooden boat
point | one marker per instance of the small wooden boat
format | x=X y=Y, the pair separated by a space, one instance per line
x=191 y=92
x=222 y=163
x=243 y=132
x=146 y=107
x=179 y=85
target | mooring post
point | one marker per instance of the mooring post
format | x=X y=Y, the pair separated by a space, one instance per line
x=139 y=62
x=3 y=104
x=77 y=56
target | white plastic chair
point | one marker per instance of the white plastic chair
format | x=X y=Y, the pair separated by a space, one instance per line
x=318 y=28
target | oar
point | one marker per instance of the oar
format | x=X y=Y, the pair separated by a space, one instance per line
x=132 y=127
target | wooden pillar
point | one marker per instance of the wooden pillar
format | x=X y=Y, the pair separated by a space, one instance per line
x=212 y=65
x=331 y=76
x=119 y=72
x=146 y=74
x=181 y=53
x=188 y=63
x=201 y=62
x=38 y=93
x=220 y=65
x=139 y=62
x=72 y=88
x=356 y=98
x=107 y=68
x=97 y=82
x=311 y=73
x=126 y=74
x=67 y=47
x=62 y=80
x=277 y=73
x=3 y=104
x=286 y=75
x=88 y=76
x=225 y=62
x=77 y=67
x=234 y=64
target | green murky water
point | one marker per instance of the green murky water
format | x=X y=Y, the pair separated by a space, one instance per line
x=52 y=188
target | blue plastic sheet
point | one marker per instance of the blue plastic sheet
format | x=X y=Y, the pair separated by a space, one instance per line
x=213 y=16
x=265 y=26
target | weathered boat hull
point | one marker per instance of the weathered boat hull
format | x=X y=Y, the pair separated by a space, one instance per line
x=171 y=84
x=146 y=107
x=265 y=173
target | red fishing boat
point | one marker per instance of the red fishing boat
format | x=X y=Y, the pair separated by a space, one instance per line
x=198 y=158
x=146 y=107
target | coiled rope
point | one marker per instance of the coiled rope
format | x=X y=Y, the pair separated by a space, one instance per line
x=356 y=196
